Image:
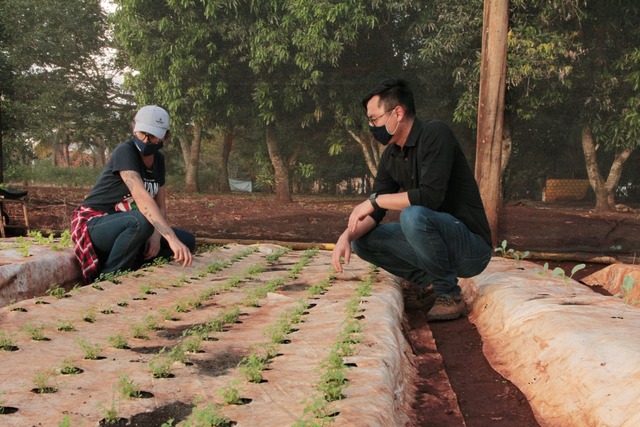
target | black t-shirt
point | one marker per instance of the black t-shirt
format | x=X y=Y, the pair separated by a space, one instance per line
x=110 y=189
x=434 y=172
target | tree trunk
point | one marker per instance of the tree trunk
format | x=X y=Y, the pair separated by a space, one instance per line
x=491 y=108
x=371 y=149
x=1 y=148
x=281 y=173
x=191 y=163
x=507 y=146
x=227 y=145
x=604 y=190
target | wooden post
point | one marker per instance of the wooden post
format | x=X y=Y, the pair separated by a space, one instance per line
x=491 y=108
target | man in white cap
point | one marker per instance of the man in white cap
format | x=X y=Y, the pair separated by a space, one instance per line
x=122 y=222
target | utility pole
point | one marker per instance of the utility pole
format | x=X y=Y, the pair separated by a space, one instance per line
x=491 y=108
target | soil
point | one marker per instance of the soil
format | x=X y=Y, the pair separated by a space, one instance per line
x=563 y=234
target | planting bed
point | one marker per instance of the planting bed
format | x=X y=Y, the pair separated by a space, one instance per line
x=234 y=302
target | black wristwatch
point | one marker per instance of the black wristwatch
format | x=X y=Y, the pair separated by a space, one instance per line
x=372 y=199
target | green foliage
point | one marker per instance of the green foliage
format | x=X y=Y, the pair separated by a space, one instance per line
x=628 y=284
x=90 y=350
x=230 y=393
x=117 y=341
x=208 y=415
x=128 y=388
x=560 y=272
x=6 y=341
x=161 y=363
x=35 y=332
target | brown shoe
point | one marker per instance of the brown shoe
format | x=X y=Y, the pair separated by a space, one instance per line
x=418 y=298
x=446 y=308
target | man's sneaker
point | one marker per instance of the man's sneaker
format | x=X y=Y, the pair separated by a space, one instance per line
x=446 y=308
x=415 y=296
x=418 y=298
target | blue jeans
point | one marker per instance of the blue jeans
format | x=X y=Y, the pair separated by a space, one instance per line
x=119 y=240
x=426 y=247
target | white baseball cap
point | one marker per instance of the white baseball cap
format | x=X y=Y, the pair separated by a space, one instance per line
x=152 y=119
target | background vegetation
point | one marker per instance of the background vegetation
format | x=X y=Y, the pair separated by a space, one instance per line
x=269 y=91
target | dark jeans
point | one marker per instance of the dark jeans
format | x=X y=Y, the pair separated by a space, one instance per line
x=426 y=247
x=119 y=240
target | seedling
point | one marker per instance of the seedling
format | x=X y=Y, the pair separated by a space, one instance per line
x=69 y=368
x=110 y=413
x=117 y=341
x=161 y=364
x=36 y=333
x=6 y=342
x=89 y=315
x=560 y=272
x=230 y=393
x=65 y=326
x=625 y=290
x=56 y=291
x=91 y=351
x=42 y=382
x=209 y=415
x=128 y=388
x=519 y=257
x=502 y=249
x=251 y=367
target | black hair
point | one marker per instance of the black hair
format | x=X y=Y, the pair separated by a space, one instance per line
x=393 y=92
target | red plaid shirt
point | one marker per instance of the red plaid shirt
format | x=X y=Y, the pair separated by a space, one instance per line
x=82 y=246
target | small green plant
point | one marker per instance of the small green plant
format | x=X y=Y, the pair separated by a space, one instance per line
x=43 y=381
x=91 y=351
x=56 y=291
x=519 y=257
x=23 y=246
x=147 y=289
x=230 y=393
x=151 y=323
x=122 y=304
x=129 y=389
x=35 y=332
x=209 y=416
x=110 y=412
x=65 y=422
x=161 y=363
x=117 y=341
x=139 y=331
x=89 y=315
x=192 y=344
x=65 y=326
x=251 y=367
x=69 y=368
x=502 y=249
x=544 y=270
x=558 y=271
x=6 y=342
x=626 y=290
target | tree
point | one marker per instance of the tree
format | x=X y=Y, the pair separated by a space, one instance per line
x=183 y=57
x=607 y=91
x=57 y=81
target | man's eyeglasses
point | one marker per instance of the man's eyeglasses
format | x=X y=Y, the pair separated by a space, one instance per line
x=372 y=121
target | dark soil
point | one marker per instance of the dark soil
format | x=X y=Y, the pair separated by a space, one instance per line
x=561 y=234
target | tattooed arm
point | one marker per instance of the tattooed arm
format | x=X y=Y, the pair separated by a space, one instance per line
x=155 y=213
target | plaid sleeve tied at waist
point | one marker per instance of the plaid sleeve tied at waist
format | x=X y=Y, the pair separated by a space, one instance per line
x=82 y=246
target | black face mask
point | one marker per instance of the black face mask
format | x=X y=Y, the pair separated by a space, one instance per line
x=147 y=149
x=381 y=134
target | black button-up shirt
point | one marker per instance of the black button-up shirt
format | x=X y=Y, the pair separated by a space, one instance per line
x=434 y=172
